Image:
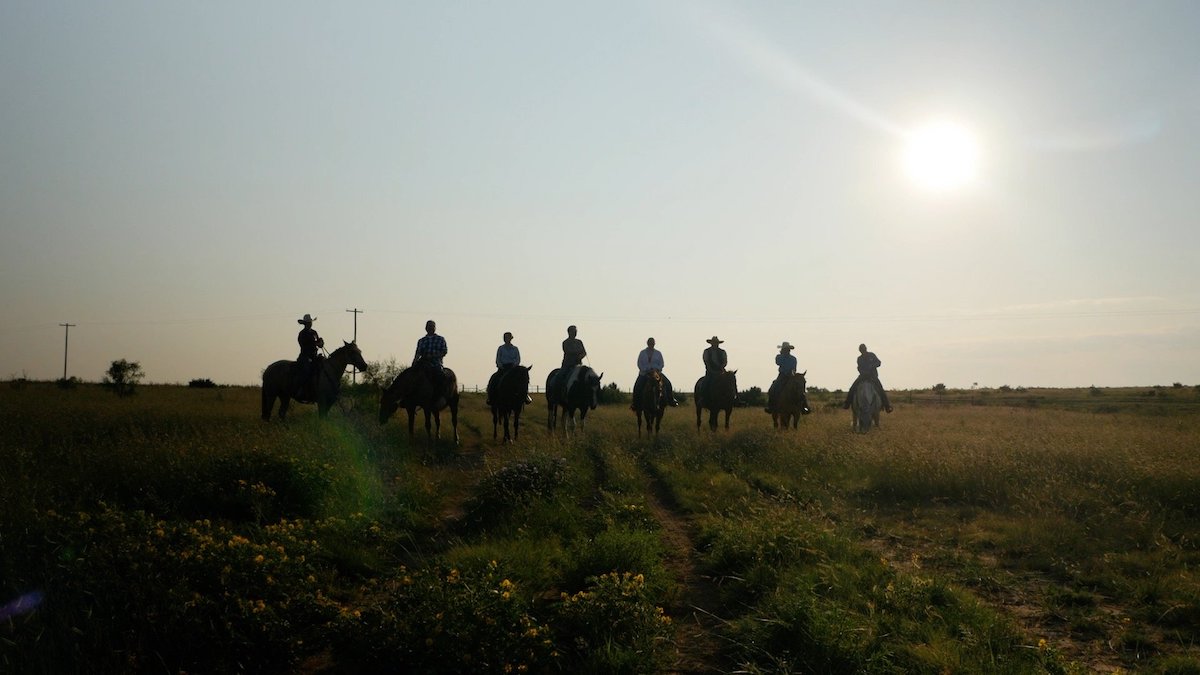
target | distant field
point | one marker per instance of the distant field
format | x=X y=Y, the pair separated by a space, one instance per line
x=1017 y=531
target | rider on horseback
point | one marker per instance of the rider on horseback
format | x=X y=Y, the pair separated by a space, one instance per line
x=431 y=349
x=650 y=360
x=573 y=355
x=787 y=368
x=715 y=359
x=507 y=357
x=868 y=371
x=306 y=363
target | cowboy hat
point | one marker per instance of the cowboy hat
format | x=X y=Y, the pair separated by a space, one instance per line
x=715 y=341
x=786 y=345
x=306 y=319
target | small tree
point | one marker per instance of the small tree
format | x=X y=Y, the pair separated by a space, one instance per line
x=123 y=377
x=939 y=388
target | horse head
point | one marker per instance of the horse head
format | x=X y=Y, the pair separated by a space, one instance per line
x=393 y=398
x=352 y=354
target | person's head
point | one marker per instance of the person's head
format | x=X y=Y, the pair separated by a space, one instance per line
x=507 y=338
x=786 y=347
x=650 y=342
x=571 y=331
x=714 y=341
x=862 y=349
x=307 y=321
x=430 y=327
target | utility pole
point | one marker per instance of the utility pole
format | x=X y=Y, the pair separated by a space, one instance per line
x=354 y=372
x=66 y=346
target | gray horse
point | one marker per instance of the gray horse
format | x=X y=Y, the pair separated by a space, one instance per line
x=865 y=407
x=277 y=382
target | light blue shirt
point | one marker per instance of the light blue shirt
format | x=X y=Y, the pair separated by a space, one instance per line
x=508 y=355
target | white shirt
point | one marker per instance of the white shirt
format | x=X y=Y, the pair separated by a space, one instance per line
x=649 y=359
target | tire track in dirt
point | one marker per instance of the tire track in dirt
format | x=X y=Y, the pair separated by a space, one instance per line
x=697 y=646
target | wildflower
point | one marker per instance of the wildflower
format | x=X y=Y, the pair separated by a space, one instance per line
x=1042 y=645
x=259 y=558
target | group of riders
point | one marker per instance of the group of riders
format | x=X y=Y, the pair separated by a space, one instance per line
x=431 y=350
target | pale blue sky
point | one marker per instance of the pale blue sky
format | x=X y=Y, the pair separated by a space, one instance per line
x=183 y=181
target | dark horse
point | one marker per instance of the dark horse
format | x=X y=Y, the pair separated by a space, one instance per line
x=508 y=399
x=414 y=388
x=584 y=395
x=652 y=403
x=791 y=401
x=716 y=392
x=278 y=383
x=864 y=408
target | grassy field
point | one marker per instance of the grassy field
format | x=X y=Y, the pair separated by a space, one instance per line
x=1015 y=531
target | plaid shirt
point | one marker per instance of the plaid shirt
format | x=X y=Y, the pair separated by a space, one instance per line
x=431 y=348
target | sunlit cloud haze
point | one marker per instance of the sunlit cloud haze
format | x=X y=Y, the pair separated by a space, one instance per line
x=183 y=181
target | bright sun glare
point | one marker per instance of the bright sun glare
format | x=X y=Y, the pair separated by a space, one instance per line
x=941 y=156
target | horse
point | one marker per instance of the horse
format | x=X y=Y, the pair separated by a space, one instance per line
x=719 y=393
x=413 y=389
x=864 y=407
x=791 y=401
x=508 y=399
x=652 y=403
x=583 y=395
x=277 y=381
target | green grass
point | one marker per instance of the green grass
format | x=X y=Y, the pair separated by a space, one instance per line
x=984 y=531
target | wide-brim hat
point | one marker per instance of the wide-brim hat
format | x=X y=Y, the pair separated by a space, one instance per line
x=786 y=345
x=714 y=341
x=306 y=319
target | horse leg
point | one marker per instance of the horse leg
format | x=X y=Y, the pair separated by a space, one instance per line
x=285 y=402
x=412 y=422
x=495 y=421
x=516 y=422
x=268 y=402
x=454 y=418
x=698 y=413
x=728 y=411
x=429 y=426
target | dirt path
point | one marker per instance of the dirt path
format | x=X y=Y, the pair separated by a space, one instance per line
x=697 y=649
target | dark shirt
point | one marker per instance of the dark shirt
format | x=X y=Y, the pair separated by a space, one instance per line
x=309 y=343
x=573 y=352
x=715 y=359
x=868 y=365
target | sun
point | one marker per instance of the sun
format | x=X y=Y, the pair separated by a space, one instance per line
x=941 y=156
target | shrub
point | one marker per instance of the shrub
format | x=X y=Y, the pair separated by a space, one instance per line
x=753 y=396
x=202 y=384
x=611 y=393
x=122 y=377
x=517 y=484
x=939 y=388
x=613 y=626
x=444 y=621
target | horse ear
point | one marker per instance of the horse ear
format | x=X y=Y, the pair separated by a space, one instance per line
x=346 y=344
x=601 y=376
x=529 y=367
x=804 y=373
x=733 y=372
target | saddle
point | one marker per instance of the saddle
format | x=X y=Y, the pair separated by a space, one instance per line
x=304 y=384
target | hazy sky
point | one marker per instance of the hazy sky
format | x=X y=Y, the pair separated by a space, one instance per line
x=183 y=181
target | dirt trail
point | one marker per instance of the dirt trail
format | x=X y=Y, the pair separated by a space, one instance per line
x=697 y=649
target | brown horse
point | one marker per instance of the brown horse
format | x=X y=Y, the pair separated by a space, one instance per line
x=716 y=392
x=508 y=399
x=278 y=382
x=652 y=403
x=791 y=401
x=414 y=388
